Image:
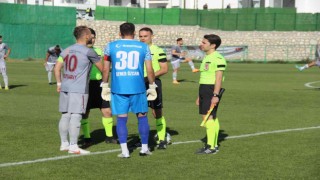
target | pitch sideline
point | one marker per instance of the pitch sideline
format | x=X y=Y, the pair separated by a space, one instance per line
x=175 y=143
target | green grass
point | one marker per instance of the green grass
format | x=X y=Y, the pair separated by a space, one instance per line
x=258 y=98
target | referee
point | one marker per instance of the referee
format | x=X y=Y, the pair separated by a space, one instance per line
x=160 y=67
x=212 y=71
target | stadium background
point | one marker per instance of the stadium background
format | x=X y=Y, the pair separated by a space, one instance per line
x=271 y=34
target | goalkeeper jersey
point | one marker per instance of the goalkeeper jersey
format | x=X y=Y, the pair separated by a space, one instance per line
x=127 y=57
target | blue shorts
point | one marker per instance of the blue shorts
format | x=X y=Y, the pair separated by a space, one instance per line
x=124 y=103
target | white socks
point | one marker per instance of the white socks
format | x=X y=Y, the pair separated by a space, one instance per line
x=49 y=76
x=144 y=147
x=191 y=65
x=124 y=149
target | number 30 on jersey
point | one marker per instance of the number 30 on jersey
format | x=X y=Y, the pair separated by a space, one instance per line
x=128 y=60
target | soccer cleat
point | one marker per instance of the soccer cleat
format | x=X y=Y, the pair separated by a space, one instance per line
x=87 y=142
x=195 y=70
x=167 y=139
x=138 y=144
x=6 y=88
x=175 y=82
x=206 y=150
x=111 y=140
x=216 y=148
x=162 y=145
x=76 y=150
x=300 y=68
x=145 y=153
x=124 y=155
x=64 y=147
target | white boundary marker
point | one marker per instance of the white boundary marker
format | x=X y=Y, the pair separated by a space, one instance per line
x=175 y=143
x=309 y=84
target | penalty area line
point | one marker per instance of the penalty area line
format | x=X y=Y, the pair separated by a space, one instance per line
x=175 y=143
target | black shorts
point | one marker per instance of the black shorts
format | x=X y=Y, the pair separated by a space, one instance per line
x=95 y=99
x=157 y=103
x=205 y=96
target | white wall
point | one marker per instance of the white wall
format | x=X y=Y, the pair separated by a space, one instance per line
x=308 y=6
x=175 y=2
x=103 y=2
x=197 y=4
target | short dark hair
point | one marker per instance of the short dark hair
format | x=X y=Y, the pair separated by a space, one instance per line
x=57 y=49
x=127 y=29
x=146 y=29
x=93 y=32
x=79 y=31
x=213 y=39
x=179 y=39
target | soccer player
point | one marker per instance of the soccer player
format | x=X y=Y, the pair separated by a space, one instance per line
x=51 y=59
x=211 y=76
x=160 y=67
x=74 y=87
x=95 y=101
x=316 y=62
x=177 y=56
x=128 y=92
x=4 y=53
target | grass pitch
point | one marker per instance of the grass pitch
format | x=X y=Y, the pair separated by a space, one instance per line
x=258 y=98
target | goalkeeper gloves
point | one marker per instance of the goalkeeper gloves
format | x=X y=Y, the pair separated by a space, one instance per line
x=151 y=92
x=106 y=92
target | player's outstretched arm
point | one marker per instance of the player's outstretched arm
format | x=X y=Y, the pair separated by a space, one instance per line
x=99 y=65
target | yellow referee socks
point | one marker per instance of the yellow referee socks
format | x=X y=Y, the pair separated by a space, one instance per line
x=85 y=125
x=216 y=129
x=108 y=124
x=161 y=128
x=210 y=133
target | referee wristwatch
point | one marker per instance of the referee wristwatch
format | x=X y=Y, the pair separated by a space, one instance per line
x=215 y=95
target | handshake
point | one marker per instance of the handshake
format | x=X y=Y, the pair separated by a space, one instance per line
x=106 y=92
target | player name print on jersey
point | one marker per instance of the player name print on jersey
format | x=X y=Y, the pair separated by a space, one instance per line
x=69 y=76
x=128 y=73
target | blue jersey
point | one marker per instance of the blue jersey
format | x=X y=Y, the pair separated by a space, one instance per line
x=127 y=57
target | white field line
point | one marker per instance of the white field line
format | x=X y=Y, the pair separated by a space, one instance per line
x=175 y=143
x=309 y=84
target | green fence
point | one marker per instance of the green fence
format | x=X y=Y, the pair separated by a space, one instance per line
x=31 y=30
x=244 y=19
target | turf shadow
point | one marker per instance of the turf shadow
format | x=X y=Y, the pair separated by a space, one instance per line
x=186 y=80
x=97 y=136
x=16 y=86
